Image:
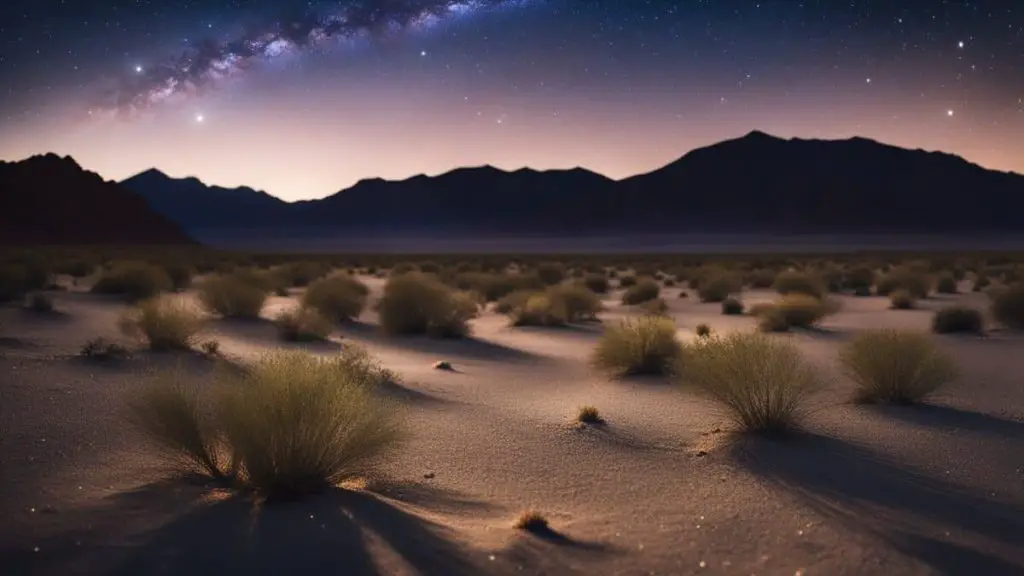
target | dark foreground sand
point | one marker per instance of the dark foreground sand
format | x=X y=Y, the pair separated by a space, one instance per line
x=662 y=489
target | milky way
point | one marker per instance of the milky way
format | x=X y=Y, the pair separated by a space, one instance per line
x=210 y=62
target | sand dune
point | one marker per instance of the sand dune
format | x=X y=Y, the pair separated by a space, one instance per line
x=662 y=488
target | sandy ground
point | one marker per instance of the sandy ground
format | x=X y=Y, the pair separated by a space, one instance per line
x=663 y=488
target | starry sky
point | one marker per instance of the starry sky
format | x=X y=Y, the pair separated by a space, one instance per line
x=303 y=98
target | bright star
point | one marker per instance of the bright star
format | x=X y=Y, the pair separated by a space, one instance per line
x=868 y=80
x=423 y=52
x=960 y=44
x=200 y=118
x=138 y=69
x=949 y=112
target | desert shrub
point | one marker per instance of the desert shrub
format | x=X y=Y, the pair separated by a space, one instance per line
x=293 y=424
x=551 y=273
x=556 y=306
x=902 y=300
x=981 y=281
x=895 y=366
x=793 y=311
x=180 y=275
x=911 y=279
x=210 y=347
x=540 y=309
x=703 y=330
x=645 y=345
x=78 y=268
x=627 y=281
x=102 y=349
x=946 y=284
x=233 y=295
x=580 y=303
x=957 y=319
x=164 y=322
x=404 y=268
x=496 y=286
x=531 y=521
x=797 y=282
x=133 y=280
x=763 y=278
x=301 y=273
x=613 y=273
x=589 y=415
x=40 y=302
x=302 y=324
x=644 y=290
x=596 y=283
x=1008 y=306
x=337 y=298
x=762 y=382
x=669 y=282
x=414 y=303
x=860 y=280
x=657 y=307
x=18 y=278
x=429 y=267
x=513 y=301
x=732 y=306
x=718 y=285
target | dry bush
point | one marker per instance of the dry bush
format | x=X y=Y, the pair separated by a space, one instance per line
x=859 y=280
x=180 y=275
x=798 y=282
x=702 y=330
x=946 y=284
x=513 y=301
x=133 y=280
x=732 y=306
x=291 y=425
x=496 y=286
x=763 y=278
x=301 y=273
x=656 y=307
x=1008 y=306
x=403 y=268
x=234 y=295
x=627 y=280
x=19 y=276
x=717 y=285
x=303 y=325
x=644 y=290
x=911 y=279
x=645 y=345
x=556 y=306
x=338 y=298
x=902 y=300
x=597 y=283
x=551 y=273
x=40 y=302
x=895 y=366
x=589 y=415
x=958 y=319
x=793 y=311
x=102 y=349
x=540 y=309
x=531 y=521
x=580 y=303
x=164 y=322
x=762 y=382
x=414 y=303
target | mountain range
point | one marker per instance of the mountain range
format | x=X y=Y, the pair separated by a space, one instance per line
x=757 y=183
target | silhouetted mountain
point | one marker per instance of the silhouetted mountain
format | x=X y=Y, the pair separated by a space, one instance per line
x=52 y=200
x=757 y=183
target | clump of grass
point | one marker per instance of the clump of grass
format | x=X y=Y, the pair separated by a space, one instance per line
x=641 y=346
x=656 y=307
x=797 y=282
x=895 y=366
x=415 y=303
x=717 y=285
x=946 y=284
x=793 y=311
x=302 y=325
x=644 y=290
x=133 y=280
x=233 y=295
x=580 y=304
x=958 y=319
x=180 y=275
x=210 y=347
x=551 y=273
x=1008 y=306
x=40 y=302
x=531 y=521
x=860 y=280
x=589 y=415
x=540 y=309
x=163 y=322
x=911 y=279
x=337 y=298
x=556 y=306
x=732 y=306
x=301 y=273
x=703 y=330
x=291 y=425
x=761 y=278
x=627 y=280
x=102 y=349
x=597 y=283
x=902 y=300
x=762 y=382
x=513 y=301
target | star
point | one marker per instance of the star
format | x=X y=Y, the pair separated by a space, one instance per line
x=949 y=113
x=200 y=118
x=960 y=44
x=138 y=69
x=868 y=80
x=423 y=52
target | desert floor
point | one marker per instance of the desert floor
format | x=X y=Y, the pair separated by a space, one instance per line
x=662 y=488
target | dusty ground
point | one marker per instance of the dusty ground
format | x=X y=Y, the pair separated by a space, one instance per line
x=661 y=489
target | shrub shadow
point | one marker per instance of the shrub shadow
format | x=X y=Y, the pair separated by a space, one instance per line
x=869 y=492
x=467 y=347
x=948 y=417
x=263 y=331
x=331 y=533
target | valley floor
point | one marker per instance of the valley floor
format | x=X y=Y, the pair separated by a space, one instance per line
x=662 y=488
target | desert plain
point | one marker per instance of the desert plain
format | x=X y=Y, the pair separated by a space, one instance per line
x=667 y=484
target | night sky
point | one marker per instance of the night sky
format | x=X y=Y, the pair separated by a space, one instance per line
x=302 y=99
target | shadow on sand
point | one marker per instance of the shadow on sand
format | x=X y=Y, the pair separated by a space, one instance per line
x=338 y=532
x=948 y=417
x=263 y=332
x=873 y=494
x=470 y=347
